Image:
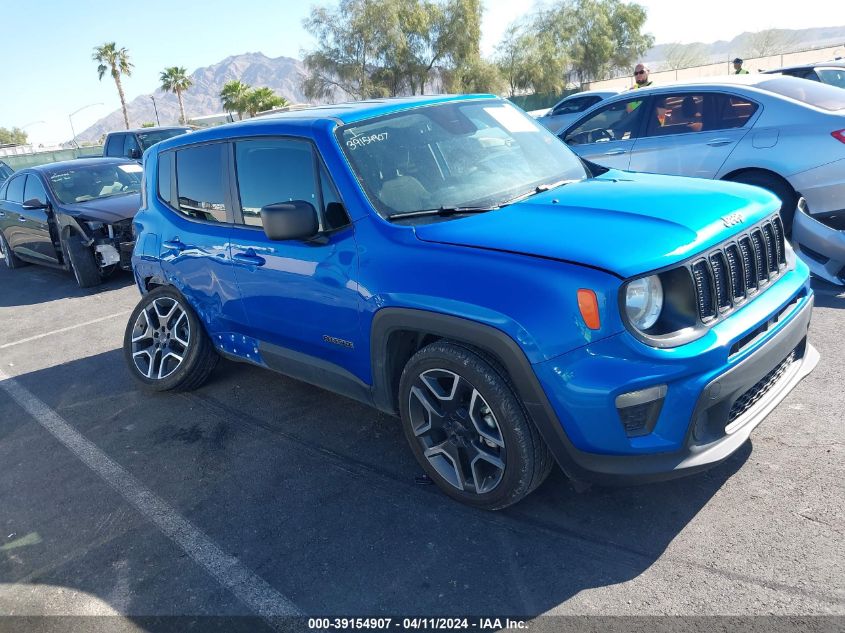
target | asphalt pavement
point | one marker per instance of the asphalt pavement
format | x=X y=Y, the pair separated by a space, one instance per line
x=261 y=496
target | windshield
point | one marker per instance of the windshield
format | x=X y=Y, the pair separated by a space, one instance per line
x=832 y=76
x=810 y=92
x=91 y=182
x=481 y=153
x=148 y=139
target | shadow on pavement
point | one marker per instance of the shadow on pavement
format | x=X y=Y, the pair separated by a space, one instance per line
x=828 y=295
x=39 y=284
x=312 y=492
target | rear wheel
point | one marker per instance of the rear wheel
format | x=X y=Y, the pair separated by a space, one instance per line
x=468 y=429
x=779 y=187
x=83 y=262
x=165 y=344
x=9 y=257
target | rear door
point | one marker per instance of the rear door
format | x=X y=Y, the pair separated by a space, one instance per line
x=193 y=183
x=691 y=133
x=607 y=135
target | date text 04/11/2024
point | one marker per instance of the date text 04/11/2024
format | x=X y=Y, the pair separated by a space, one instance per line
x=431 y=624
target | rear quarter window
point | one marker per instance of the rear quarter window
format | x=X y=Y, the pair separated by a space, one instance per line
x=165 y=177
x=812 y=93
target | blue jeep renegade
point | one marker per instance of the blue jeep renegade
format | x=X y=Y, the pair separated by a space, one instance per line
x=448 y=260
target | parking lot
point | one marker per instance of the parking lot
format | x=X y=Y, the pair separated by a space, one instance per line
x=260 y=495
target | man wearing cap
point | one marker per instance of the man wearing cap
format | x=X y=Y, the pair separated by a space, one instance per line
x=738 y=69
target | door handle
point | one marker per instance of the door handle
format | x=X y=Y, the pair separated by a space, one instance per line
x=175 y=244
x=719 y=142
x=22 y=218
x=248 y=259
x=615 y=152
x=2 y=214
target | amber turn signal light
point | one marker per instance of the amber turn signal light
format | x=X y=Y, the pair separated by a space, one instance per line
x=589 y=307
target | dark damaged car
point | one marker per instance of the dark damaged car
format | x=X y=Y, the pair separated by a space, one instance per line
x=73 y=215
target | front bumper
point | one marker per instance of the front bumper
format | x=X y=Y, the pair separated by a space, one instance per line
x=820 y=242
x=710 y=410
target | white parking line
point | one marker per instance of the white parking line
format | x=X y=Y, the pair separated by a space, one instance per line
x=252 y=590
x=65 y=329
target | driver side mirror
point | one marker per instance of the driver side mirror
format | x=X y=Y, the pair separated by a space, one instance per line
x=34 y=203
x=293 y=220
x=134 y=154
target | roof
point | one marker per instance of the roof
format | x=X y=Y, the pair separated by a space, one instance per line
x=152 y=129
x=725 y=81
x=835 y=63
x=80 y=162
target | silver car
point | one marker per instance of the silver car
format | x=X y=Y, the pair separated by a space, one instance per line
x=784 y=134
x=568 y=109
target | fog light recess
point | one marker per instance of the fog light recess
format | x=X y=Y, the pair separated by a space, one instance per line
x=638 y=410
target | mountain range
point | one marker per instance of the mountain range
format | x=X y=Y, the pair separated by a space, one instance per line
x=283 y=75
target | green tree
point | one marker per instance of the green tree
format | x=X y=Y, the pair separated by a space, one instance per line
x=148 y=124
x=13 y=136
x=234 y=96
x=176 y=80
x=261 y=99
x=116 y=62
x=514 y=57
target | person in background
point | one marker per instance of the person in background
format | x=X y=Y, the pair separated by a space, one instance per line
x=641 y=77
x=738 y=69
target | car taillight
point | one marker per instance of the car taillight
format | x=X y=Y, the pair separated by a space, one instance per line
x=839 y=135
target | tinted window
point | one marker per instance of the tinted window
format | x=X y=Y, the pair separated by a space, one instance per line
x=810 y=92
x=802 y=73
x=273 y=171
x=832 y=76
x=573 y=106
x=676 y=114
x=165 y=166
x=34 y=190
x=730 y=111
x=130 y=145
x=114 y=145
x=200 y=182
x=148 y=139
x=14 y=192
x=618 y=121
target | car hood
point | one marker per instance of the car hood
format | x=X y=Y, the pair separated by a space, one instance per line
x=109 y=210
x=621 y=222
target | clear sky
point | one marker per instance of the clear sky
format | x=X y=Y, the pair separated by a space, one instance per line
x=47 y=70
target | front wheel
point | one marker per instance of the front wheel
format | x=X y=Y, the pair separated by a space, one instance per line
x=82 y=262
x=9 y=257
x=165 y=345
x=468 y=429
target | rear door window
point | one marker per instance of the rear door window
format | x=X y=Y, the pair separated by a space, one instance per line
x=729 y=111
x=14 y=192
x=832 y=76
x=200 y=182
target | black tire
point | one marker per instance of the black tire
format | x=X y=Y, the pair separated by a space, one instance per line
x=82 y=262
x=151 y=353
x=12 y=260
x=779 y=187
x=455 y=431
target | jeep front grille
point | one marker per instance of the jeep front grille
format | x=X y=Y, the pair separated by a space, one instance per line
x=725 y=276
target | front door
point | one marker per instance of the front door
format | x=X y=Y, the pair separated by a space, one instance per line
x=38 y=220
x=301 y=297
x=607 y=136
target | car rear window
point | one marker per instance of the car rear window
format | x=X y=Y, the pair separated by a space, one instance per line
x=810 y=92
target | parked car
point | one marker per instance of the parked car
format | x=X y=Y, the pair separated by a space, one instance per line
x=74 y=215
x=133 y=143
x=784 y=134
x=447 y=260
x=832 y=72
x=567 y=110
x=5 y=172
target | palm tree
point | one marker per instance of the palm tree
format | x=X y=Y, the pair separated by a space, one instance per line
x=174 y=79
x=261 y=99
x=116 y=60
x=233 y=96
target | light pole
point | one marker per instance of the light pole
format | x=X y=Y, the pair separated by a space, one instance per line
x=156 y=109
x=70 y=118
x=23 y=127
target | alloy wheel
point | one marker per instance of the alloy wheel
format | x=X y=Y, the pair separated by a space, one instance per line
x=457 y=431
x=160 y=338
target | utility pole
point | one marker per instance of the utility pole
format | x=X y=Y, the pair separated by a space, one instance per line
x=158 y=123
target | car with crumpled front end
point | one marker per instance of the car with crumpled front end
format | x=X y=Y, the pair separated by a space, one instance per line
x=73 y=215
x=447 y=260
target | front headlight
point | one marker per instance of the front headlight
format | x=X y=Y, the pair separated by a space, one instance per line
x=644 y=301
